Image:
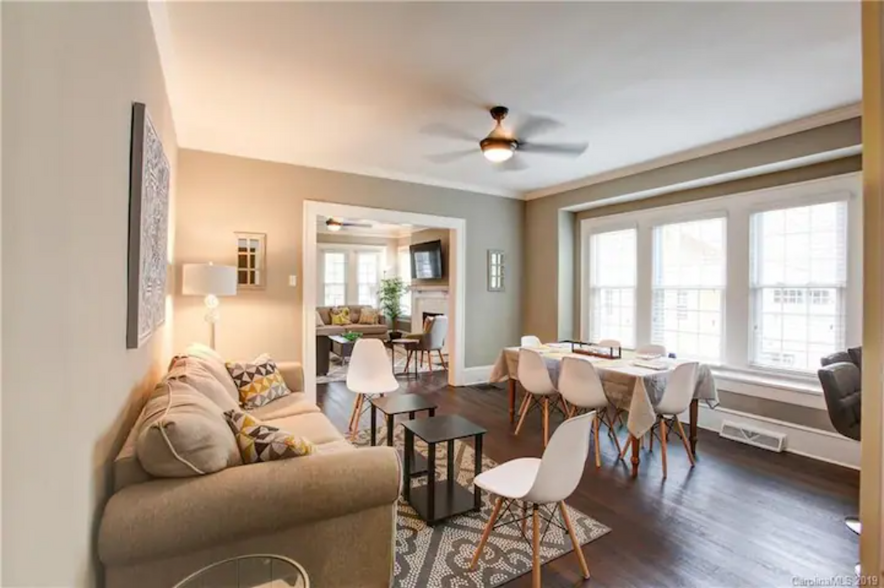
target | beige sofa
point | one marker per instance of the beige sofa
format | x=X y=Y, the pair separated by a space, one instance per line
x=376 y=331
x=333 y=512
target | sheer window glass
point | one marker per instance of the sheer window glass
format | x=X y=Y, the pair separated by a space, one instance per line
x=612 y=286
x=368 y=271
x=798 y=283
x=334 y=278
x=405 y=276
x=688 y=288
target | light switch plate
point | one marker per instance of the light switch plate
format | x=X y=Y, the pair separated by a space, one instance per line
x=293 y=281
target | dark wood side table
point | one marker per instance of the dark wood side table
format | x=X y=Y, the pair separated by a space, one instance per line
x=444 y=499
x=342 y=347
x=396 y=404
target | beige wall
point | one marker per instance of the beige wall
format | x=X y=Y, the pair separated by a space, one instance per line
x=70 y=74
x=219 y=194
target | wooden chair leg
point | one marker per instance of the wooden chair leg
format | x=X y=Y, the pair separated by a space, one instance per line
x=535 y=556
x=583 y=567
x=545 y=421
x=408 y=353
x=353 y=414
x=565 y=409
x=430 y=361
x=626 y=446
x=684 y=439
x=596 y=424
x=497 y=504
x=442 y=359
x=357 y=412
x=663 y=444
x=526 y=404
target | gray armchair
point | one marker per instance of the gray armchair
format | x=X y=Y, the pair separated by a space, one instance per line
x=432 y=339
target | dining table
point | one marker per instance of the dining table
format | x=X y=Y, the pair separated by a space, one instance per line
x=632 y=384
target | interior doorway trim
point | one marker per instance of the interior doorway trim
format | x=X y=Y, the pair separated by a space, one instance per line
x=456 y=279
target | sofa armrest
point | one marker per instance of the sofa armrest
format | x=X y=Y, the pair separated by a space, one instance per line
x=293 y=374
x=170 y=517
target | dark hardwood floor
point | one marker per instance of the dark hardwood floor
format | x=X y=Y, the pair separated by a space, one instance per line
x=742 y=517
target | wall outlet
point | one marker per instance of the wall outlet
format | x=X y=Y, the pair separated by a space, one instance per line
x=293 y=281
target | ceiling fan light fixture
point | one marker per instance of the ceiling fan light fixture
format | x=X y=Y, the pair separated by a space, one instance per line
x=497 y=150
x=333 y=225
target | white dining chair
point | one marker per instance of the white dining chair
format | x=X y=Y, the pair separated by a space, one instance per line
x=534 y=378
x=581 y=387
x=612 y=343
x=540 y=482
x=651 y=349
x=370 y=374
x=676 y=399
x=531 y=341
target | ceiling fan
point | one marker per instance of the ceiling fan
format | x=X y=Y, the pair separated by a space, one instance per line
x=501 y=145
x=334 y=225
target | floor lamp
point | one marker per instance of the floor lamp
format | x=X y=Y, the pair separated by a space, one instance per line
x=211 y=281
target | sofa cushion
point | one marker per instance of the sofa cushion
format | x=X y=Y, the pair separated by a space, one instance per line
x=368 y=316
x=340 y=316
x=259 y=441
x=200 y=373
x=314 y=426
x=856 y=356
x=292 y=404
x=330 y=330
x=324 y=314
x=209 y=359
x=259 y=381
x=370 y=329
x=182 y=433
x=319 y=321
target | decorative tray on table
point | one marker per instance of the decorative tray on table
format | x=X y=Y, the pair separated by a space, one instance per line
x=593 y=349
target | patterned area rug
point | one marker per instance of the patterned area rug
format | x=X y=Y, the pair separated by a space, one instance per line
x=338 y=372
x=437 y=557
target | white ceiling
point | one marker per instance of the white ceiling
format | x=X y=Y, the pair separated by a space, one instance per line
x=351 y=86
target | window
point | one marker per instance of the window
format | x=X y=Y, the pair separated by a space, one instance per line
x=688 y=287
x=250 y=260
x=405 y=276
x=334 y=281
x=368 y=272
x=798 y=282
x=495 y=270
x=612 y=273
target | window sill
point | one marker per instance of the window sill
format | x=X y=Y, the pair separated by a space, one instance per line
x=777 y=387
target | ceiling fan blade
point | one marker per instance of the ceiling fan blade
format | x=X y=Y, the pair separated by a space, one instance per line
x=449 y=132
x=532 y=125
x=511 y=164
x=572 y=149
x=452 y=155
x=360 y=225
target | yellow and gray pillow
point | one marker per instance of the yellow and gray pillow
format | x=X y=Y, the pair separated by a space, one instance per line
x=259 y=442
x=369 y=316
x=340 y=316
x=258 y=382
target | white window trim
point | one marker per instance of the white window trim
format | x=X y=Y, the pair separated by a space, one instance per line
x=737 y=208
x=352 y=250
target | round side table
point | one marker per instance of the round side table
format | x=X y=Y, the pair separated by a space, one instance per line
x=249 y=571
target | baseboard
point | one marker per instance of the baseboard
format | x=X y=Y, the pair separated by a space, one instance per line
x=800 y=440
x=476 y=375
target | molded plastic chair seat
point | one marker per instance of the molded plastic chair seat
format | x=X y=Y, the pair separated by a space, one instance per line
x=369 y=374
x=531 y=341
x=512 y=479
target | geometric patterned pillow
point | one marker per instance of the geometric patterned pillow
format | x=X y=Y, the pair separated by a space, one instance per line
x=258 y=382
x=259 y=442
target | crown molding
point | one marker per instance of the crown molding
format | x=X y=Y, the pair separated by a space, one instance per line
x=820 y=119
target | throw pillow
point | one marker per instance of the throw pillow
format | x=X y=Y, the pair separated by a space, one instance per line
x=369 y=316
x=259 y=442
x=340 y=316
x=319 y=321
x=259 y=381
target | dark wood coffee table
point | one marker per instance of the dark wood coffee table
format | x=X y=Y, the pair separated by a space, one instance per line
x=342 y=347
x=395 y=404
x=444 y=499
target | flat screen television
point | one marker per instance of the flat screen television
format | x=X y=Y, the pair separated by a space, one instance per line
x=426 y=261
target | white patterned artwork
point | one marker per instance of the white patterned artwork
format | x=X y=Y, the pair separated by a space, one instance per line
x=148 y=230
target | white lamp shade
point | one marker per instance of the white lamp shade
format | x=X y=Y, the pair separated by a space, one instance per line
x=205 y=278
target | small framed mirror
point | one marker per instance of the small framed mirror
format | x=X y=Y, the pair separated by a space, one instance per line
x=250 y=257
x=495 y=270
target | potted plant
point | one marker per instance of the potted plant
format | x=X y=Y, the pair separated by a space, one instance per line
x=390 y=296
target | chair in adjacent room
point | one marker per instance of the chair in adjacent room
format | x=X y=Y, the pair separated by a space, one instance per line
x=841 y=379
x=432 y=339
x=535 y=379
x=539 y=483
x=676 y=399
x=369 y=374
x=531 y=341
x=581 y=387
x=651 y=349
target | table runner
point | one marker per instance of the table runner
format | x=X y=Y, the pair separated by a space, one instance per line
x=628 y=387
